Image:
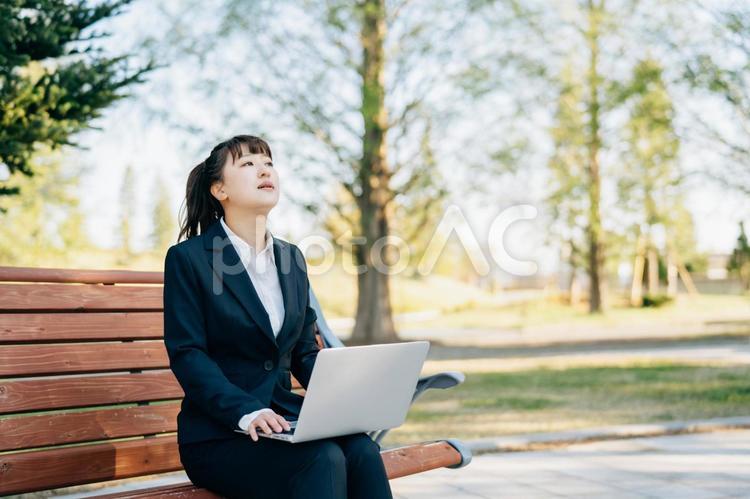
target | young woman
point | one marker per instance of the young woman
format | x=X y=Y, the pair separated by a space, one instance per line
x=237 y=322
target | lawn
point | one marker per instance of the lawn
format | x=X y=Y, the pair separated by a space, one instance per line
x=543 y=399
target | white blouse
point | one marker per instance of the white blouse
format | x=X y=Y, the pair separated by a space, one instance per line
x=261 y=268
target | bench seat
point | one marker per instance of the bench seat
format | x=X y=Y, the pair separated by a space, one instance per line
x=86 y=394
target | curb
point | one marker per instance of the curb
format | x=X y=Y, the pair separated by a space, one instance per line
x=549 y=440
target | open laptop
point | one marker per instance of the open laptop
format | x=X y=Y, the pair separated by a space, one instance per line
x=357 y=389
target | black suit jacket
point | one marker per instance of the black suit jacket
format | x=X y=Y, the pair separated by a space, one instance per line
x=219 y=339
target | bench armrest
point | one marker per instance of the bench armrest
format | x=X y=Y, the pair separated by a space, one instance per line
x=326 y=333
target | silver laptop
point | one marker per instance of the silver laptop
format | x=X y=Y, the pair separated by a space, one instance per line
x=357 y=389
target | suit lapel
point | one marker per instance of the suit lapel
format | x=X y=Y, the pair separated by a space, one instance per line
x=222 y=255
x=285 y=269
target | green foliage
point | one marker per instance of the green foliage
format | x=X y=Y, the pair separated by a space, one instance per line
x=655 y=300
x=650 y=178
x=52 y=82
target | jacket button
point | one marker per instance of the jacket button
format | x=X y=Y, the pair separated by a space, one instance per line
x=268 y=365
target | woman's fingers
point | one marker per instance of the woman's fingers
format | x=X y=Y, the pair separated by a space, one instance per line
x=269 y=423
x=264 y=426
x=284 y=422
x=274 y=423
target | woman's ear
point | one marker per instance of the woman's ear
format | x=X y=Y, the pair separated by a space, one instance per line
x=217 y=191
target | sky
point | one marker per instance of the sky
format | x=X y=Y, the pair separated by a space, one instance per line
x=155 y=149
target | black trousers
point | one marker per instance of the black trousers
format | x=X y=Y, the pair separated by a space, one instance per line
x=343 y=467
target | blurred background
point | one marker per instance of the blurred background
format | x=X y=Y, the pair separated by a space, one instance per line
x=552 y=193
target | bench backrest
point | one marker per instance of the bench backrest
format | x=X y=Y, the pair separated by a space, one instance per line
x=86 y=394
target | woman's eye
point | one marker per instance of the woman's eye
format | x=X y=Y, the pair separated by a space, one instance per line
x=250 y=163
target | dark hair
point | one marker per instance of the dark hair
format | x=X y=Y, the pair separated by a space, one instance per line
x=203 y=208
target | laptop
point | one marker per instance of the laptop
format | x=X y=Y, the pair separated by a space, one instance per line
x=357 y=389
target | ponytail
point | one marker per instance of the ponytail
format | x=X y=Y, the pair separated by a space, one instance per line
x=202 y=208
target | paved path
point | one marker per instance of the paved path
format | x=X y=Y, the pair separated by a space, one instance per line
x=477 y=359
x=709 y=465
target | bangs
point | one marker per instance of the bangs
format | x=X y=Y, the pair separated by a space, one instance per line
x=253 y=145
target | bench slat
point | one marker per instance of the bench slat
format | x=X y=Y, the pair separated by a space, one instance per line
x=39 y=470
x=72 y=326
x=81 y=391
x=25 y=432
x=35 y=274
x=19 y=360
x=79 y=297
x=48 y=469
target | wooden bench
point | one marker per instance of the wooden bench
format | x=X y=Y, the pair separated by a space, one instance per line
x=86 y=394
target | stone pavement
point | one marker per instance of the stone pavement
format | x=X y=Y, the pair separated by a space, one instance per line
x=706 y=465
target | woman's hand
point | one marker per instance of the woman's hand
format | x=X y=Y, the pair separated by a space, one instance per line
x=267 y=421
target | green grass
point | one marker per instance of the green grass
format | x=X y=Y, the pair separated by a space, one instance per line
x=501 y=403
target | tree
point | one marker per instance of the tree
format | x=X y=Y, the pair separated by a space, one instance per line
x=164 y=225
x=127 y=202
x=360 y=84
x=723 y=69
x=566 y=165
x=570 y=57
x=46 y=223
x=649 y=180
x=587 y=34
x=52 y=82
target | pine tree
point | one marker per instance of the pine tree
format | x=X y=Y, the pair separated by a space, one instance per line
x=53 y=81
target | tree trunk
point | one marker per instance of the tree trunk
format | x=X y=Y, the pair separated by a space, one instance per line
x=636 y=288
x=653 y=272
x=374 y=319
x=594 y=229
x=671 y=276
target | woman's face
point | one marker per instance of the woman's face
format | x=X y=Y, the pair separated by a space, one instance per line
x=251 y=183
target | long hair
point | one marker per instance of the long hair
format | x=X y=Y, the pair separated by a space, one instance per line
x=203 y=209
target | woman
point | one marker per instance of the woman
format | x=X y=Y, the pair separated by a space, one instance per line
x=237 y=322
